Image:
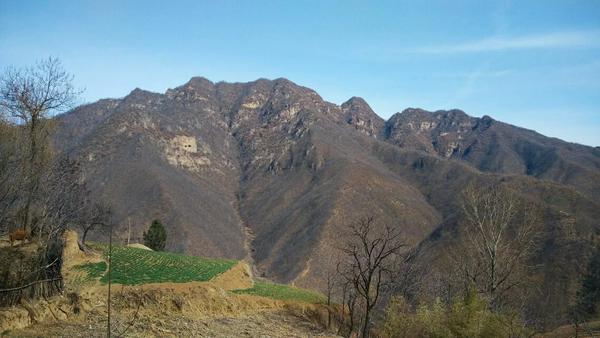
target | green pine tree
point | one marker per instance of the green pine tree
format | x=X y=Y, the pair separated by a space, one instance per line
x=156 y=236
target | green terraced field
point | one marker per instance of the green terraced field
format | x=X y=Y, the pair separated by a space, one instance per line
x=94 y=270
x=283 y=292
x=132 y=266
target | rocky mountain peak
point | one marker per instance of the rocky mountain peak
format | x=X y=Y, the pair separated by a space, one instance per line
x=137 y=92
x=356 y=103
x=196 y=89
x=357 y=113
x=141 y=98
x=199 y=82
x=412 y=113
x=442 y=132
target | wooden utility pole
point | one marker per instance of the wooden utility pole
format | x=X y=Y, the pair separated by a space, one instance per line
x=128 y=230
x=109 y=270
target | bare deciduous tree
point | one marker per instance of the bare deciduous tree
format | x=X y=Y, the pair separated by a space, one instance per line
x=371 y=253
x=500 y=235
x=350 y=297
x=95 y=215
x=36 y=189
x=9 y=165
x=34 y=93
x=27 y=98
x=331 y=281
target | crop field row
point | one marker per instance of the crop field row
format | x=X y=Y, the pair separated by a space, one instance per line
x=283 y=292
x=132 y=266
x=94 y=270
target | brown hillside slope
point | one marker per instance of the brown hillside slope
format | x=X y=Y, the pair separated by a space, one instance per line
x=210 y=159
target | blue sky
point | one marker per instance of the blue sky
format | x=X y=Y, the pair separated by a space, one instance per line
x=535 y=64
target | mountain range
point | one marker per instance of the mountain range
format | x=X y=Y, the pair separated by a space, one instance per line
x=270 y=171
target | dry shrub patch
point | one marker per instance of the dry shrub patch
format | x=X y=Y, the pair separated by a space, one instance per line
x=283 y=292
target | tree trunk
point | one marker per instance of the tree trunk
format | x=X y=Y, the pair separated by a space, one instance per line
x=365 y=329
x=81 y=243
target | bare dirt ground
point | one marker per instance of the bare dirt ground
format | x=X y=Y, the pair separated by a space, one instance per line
x=260 y=324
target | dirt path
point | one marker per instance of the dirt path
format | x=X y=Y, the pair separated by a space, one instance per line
x=261 y=324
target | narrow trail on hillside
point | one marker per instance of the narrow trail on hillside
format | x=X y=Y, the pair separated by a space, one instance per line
x=248 y=239
x=249 y=236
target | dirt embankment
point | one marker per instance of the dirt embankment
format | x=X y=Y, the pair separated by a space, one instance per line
x=206 y=309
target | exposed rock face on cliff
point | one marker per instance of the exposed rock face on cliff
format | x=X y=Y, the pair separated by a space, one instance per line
x=357 y=113
x=493 y=146
x=271 y=158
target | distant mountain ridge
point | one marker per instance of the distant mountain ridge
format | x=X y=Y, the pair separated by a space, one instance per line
x=216 y=161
